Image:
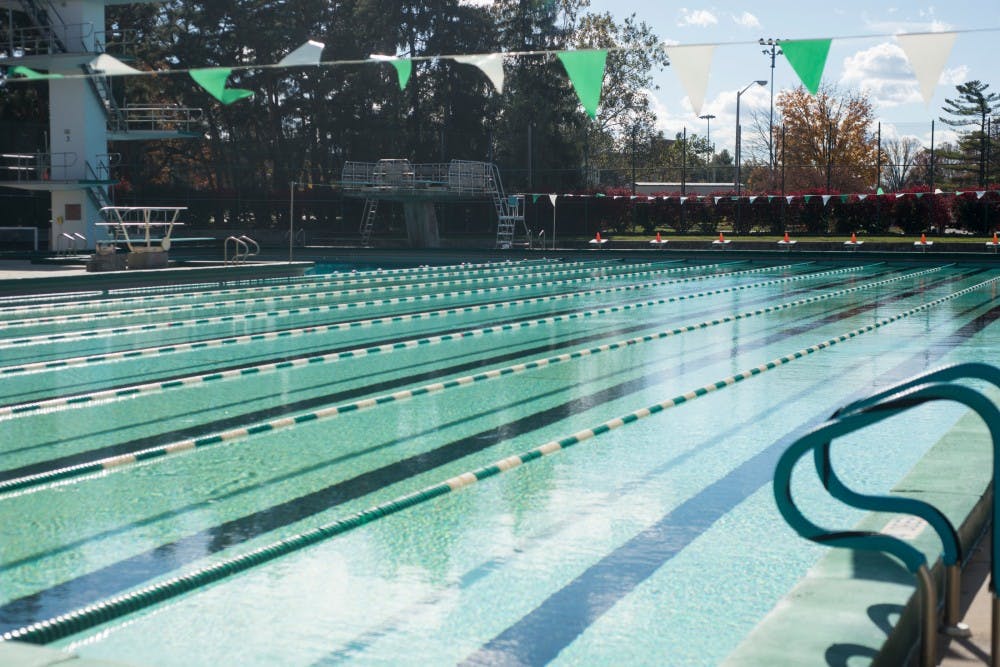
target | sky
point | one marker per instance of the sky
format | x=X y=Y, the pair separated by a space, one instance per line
x=864 y=56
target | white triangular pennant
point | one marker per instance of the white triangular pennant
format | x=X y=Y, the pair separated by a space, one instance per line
x=693 y=64
x=491 y=65
x=683 y=199
x=752 y=198
x=980 y=193
x=307 y=54
x=927 y=52
x=717 y=200
x=789 y=198
x=862 y=197
x=900 y=195
x=552 y=198
x=110 y=65
x=826 y=199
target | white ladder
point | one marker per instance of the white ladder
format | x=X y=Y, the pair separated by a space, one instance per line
x=368 y=221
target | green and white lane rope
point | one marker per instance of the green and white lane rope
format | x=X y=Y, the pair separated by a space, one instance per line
x=219 y=319
x=150 y=387
x=62 y=626
x=342 y=326
x=182 y=446
x=313 y=286
x=312 y=296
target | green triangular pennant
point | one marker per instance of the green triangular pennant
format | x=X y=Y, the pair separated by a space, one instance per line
x=29 y=73
x=844 y=198
x=808 y=58
x=534 y=199
x=586 y=73
x=213 y=80
x=403 y=70
x=879 y=192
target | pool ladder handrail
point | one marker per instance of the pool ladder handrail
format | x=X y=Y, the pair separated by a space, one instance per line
x=241 y=249
x=890 y=402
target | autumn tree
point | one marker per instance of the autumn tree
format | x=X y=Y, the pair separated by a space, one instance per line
x=972 y=108
x=827 y=143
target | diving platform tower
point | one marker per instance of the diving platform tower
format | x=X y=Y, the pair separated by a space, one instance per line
x=64 y=37
x=419 y=186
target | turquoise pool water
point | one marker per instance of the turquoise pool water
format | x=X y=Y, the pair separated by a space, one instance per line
x=655 y=542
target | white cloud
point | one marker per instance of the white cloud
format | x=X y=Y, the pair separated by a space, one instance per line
x=885 y=74
x=697 y=17
x=925 y=21
x=747 y=20
x=671 y=120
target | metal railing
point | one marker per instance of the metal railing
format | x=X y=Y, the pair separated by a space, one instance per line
x=166 y=118
x=938 y=385
x=241 y=249
x=37 y=166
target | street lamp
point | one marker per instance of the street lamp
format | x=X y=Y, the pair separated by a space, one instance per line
x=739 y=136
x=708 y=137
x=772 y=51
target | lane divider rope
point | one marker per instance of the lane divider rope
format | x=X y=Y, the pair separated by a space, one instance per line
x=315 y=285
x=110 y=463
x=159 y=326
x=340 y=326
x=287 y=298
x=64 y=625
x=133 y=390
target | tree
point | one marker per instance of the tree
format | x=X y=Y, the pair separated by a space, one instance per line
x=899 y=168
x=973 y=107
x=827 y=144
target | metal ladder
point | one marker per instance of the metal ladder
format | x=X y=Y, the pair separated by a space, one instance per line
x=241 y=249
x=937 y=385
x=508 y=212
x=43 y=15
x=368 y=221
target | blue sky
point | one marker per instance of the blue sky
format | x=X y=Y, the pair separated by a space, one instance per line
x=863 y=56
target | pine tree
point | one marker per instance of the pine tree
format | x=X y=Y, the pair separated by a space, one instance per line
x=972 y=108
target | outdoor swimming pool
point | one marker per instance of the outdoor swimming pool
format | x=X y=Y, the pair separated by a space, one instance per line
x=261 y=413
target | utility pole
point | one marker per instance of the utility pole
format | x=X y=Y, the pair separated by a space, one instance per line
x=772 y=51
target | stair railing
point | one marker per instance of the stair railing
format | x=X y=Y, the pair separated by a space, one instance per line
x=870 y=411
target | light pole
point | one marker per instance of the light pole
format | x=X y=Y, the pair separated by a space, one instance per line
x=772 y=51
x=739 y=136
x=708 y=138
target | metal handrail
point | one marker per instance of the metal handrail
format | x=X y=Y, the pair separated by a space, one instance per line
x=238 y=256
x=866 y=413
x=241 y=249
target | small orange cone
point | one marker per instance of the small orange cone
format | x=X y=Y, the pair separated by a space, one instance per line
x=658 y=239
x=923 y=239
x=854 y=237
x=786 y=239
x=598 y=237
x=722 y=239
x=995 y=242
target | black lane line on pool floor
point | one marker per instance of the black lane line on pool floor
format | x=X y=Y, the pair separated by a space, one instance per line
x=401 y=617
x=165 y=558
x=805 y=325
x=286 y=408
x=430 y=319
x=556 y=622
x=257 y=325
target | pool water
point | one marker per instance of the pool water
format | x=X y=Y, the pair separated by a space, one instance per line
x=654 y=542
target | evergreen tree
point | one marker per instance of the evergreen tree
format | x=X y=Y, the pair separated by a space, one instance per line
x=973 y=107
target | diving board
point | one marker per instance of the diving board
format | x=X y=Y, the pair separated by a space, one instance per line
x=144 y=230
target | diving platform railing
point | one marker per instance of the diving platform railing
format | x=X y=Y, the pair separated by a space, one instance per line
x=938 y=385
x=241 y=249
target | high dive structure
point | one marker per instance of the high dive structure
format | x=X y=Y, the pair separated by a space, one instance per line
x=419 y=186
x=65 y=37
